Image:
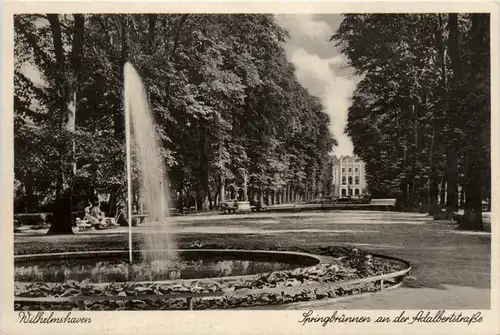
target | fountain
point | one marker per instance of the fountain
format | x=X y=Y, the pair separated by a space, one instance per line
x=161 y=274
x=140 y=127
x=158 y=258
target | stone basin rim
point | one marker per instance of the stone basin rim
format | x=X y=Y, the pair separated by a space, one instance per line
x=317 y=259
x=305 y=260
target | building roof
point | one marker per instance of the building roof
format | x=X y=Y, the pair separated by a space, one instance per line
x=356 y=158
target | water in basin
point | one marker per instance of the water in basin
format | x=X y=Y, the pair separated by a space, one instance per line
x=120 y=271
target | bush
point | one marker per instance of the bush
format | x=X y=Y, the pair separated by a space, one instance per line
x=33 y=219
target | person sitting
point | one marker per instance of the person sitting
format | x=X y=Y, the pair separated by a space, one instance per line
x=96 y=217
x=87 y=208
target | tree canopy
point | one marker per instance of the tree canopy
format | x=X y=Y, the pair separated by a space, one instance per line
x=231 y=116
x=420 y=116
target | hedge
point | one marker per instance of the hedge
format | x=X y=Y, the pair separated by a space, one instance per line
x=32 y=219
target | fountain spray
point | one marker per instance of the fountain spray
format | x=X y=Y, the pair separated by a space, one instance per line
x=157 y=245
x=126 y=89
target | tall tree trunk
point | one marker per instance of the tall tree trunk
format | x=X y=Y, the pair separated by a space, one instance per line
x=172 y=54
x=222 y=189
x=452 y=181
x=245 y=186
x=472 y=218
x=452 y=157
x=217 y=199
x=432 y=182
x=454 y=46
x=442 y=194
x=432 y=205
x=313 y=189
x=405 y=195
x=462 y=197
x=118 y=192
x=202 y=174
x=433 y=178
x=152 y=18
x=443 y=103
x=210 y=201
x=119 y=118
x=140 y=202
x=30 y=203
x=61 y=218
x=180 y=204
x=67 y=83
x=478 y=79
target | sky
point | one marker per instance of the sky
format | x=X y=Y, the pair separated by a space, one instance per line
x=321 y=68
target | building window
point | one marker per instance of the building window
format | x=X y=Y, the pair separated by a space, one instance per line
x=343 y=170
x=350 y=169
x=350 y=191
x=343 y=180
x=350 y=180
x=356 y=170
x=343 y=192
x=356 y=180
x=356 y=191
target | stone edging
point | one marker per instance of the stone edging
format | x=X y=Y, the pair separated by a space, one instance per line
x=242 y=292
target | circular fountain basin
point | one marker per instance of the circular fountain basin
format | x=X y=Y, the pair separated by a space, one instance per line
x=113 y=266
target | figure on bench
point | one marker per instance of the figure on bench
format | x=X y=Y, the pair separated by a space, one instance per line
x=96 y=217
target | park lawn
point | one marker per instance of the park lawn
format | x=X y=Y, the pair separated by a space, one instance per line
x=439 y=254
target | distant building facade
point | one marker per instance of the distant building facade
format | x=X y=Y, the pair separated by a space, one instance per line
x=348 y=176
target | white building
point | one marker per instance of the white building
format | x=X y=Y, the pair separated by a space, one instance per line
x=348 y=176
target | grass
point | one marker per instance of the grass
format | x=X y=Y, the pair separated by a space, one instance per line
x=438 y=254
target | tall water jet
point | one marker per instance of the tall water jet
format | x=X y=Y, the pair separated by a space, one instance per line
x=141 y=132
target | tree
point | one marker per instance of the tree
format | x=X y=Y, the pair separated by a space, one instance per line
x=60 y=98
x=417 y=91
x=230 y=114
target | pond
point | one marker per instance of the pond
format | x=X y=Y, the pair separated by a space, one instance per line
x=189 y=266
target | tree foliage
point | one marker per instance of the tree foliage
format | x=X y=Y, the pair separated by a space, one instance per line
x=420 y=116
x=231 y=116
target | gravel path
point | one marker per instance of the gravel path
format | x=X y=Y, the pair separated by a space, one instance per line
x=447 y=297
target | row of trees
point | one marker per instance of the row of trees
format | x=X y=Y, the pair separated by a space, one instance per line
x=420 y=117
x=230 y=113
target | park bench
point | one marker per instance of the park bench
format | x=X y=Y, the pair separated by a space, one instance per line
x=229 y=207
x=257 y=206
x=83 y=225
x=138 y=218
x=18 y=227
